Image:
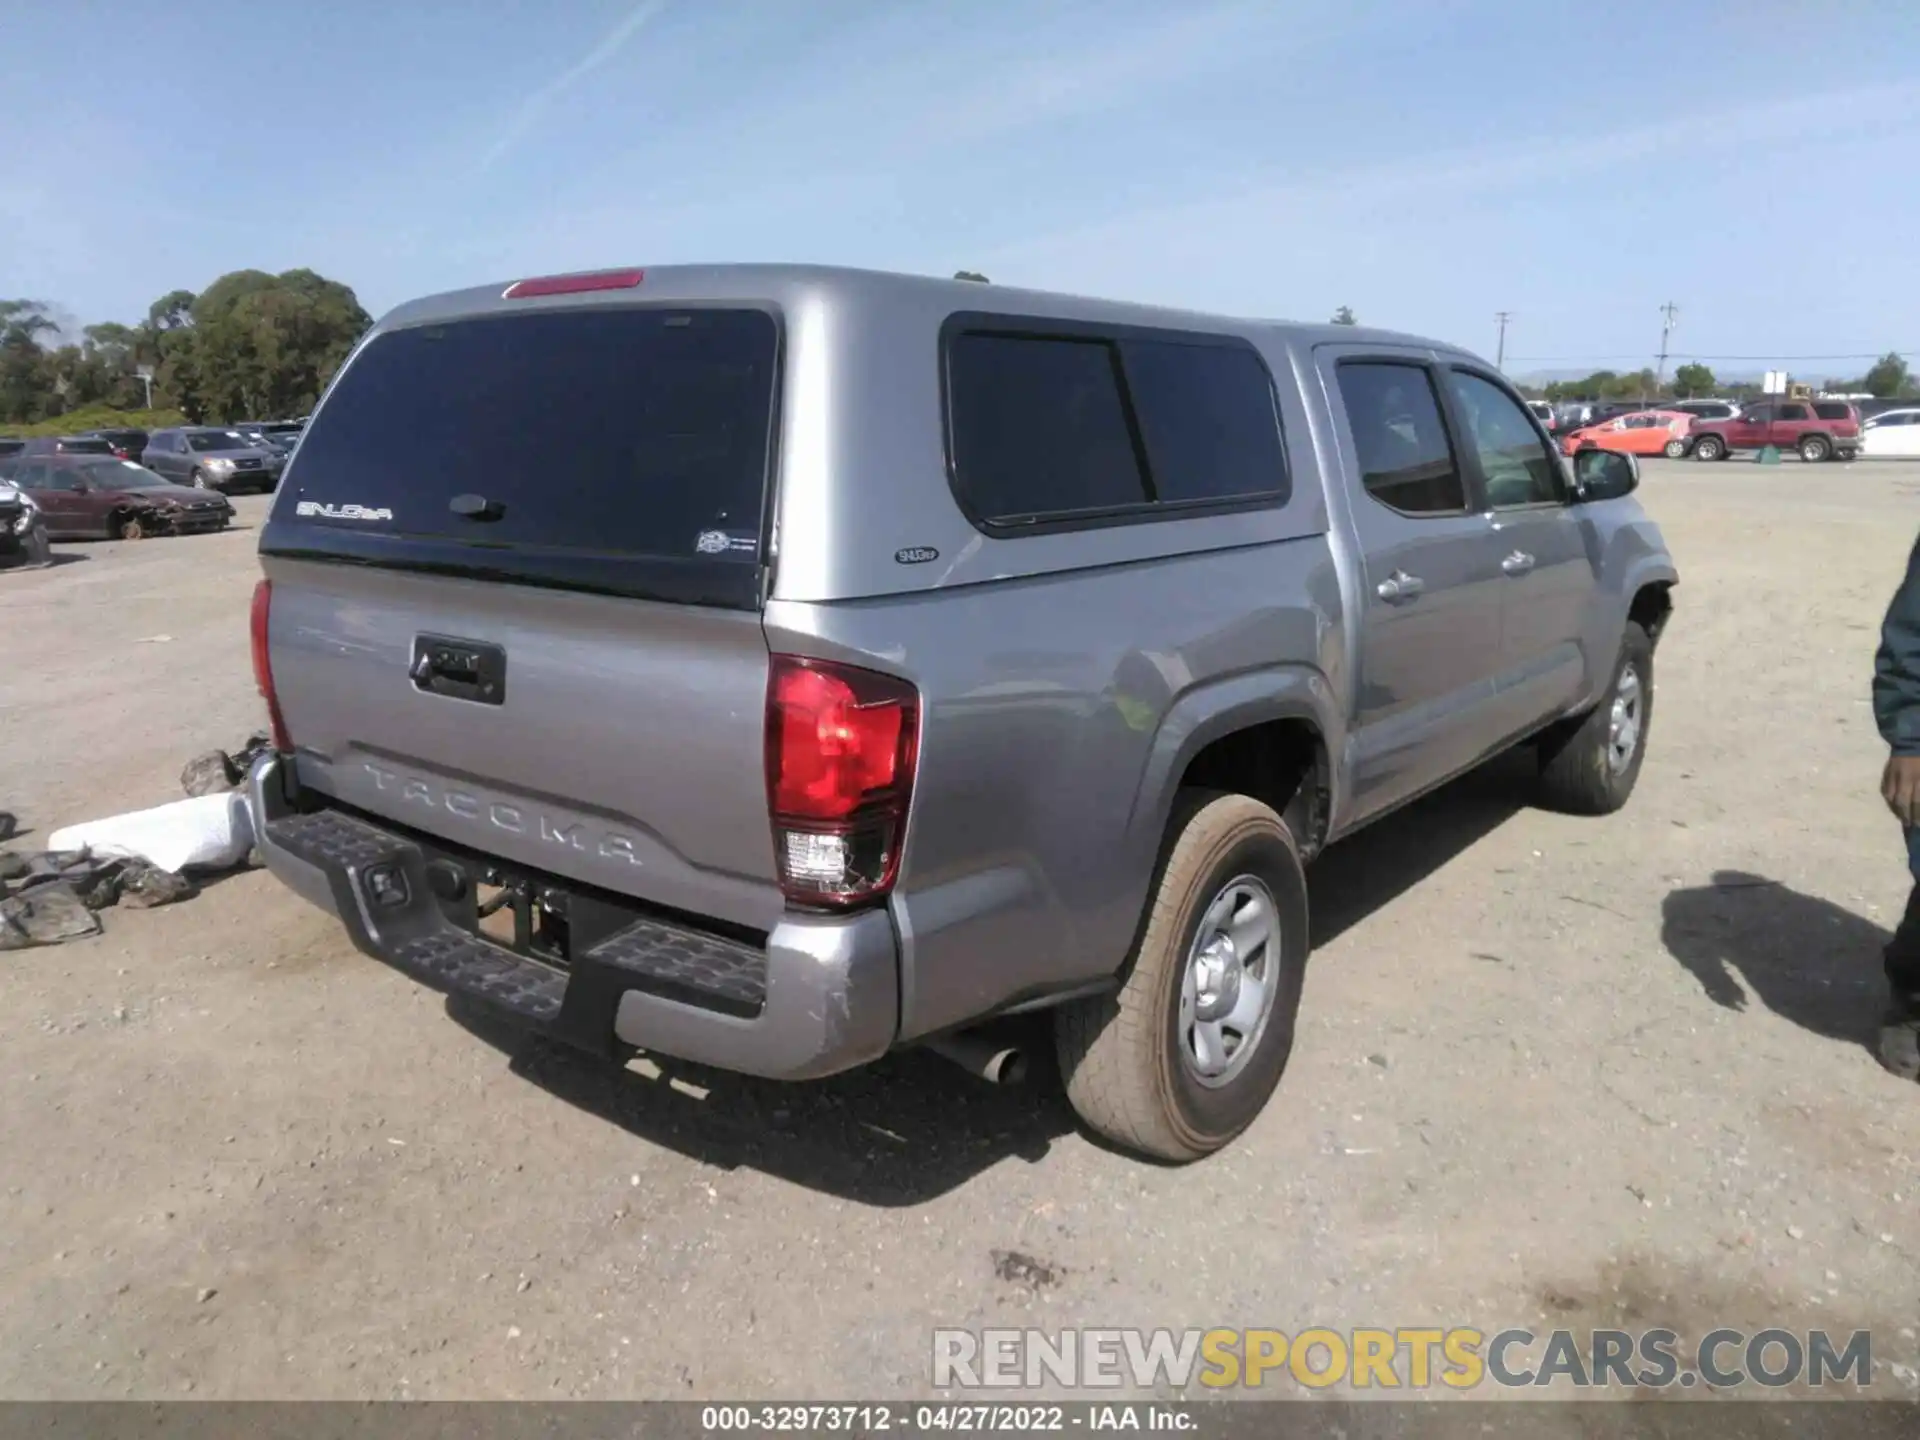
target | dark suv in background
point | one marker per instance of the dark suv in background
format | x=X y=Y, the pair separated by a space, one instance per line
x=211 y=457
x=127 y=443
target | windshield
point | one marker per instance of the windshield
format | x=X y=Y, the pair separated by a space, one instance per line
x=595 y=438
x=118 y=474
x=224 y=440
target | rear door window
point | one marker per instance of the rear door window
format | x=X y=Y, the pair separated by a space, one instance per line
x=1793 y=412
x=615 y=433
x=1833 y=410
x=1399 y=439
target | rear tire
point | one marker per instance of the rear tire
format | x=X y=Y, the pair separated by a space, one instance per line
x=1815 y=448
x=1675 y=449
x=1589 y=765
x=1147 y=1066
x=1709 y=447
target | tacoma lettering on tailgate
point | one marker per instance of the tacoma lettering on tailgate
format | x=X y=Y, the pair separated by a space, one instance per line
x=503 y=815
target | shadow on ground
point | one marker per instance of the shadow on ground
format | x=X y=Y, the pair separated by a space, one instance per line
x=1381 y=863
x=53 y=562
x=902 y=1131
x=913 y=1126
x=1806 y=959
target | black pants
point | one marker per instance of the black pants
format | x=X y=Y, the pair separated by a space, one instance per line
x=1903 y=951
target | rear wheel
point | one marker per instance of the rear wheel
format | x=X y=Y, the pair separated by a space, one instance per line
x=1709 y=447
x=1675 y=449
x=1815 y=448
x=1185 y=1055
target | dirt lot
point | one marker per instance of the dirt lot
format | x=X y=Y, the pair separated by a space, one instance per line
x=1548 y=1068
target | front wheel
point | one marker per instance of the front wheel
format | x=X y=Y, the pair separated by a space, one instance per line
x=1709 y=447
x=1588 y=766
x=128 y=527
x=198 y=480
x=1675 y=449
x=1815 y=448
x=1186 y=1053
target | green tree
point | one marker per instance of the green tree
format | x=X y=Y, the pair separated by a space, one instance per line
x=253 y=345
x=973 y=275
x=28 y=382
x=1344 y=316
x=1693 y=379
x=1888 y=377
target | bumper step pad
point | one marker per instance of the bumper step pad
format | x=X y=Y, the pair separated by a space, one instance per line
x=690 y=966
x=687 y=965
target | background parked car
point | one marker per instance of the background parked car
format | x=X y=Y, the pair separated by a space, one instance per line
x=87 y=496
x=23 y=532
x=66 y=445
x=127 y=443
x=1644 y=432
x=1891 y=432
x=1705 y=409
x=10 y=446
x=280 y=434
x=1543 y=412
x=210 y=457
x=1783 y=424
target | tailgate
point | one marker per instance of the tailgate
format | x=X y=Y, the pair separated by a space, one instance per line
x=622 y=747
x=516 y=574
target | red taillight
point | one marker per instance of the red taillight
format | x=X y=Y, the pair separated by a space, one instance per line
x=573 y=284
x=263 y=665
x=841 y=747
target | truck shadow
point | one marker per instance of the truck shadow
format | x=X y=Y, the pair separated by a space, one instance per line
x=902 y=1131
x=1353 y=879
x=912 y=1127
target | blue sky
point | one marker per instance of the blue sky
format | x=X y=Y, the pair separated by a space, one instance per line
x=1426 y=163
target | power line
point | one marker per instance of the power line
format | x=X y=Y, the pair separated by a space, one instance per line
x=1706 y=355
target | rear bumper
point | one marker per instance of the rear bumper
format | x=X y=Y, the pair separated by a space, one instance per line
x=821 y=996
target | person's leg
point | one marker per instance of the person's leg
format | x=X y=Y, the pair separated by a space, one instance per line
x=1900 y=1031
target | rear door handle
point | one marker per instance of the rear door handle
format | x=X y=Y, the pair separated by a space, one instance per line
x=1400 y=586
x=1518 y=563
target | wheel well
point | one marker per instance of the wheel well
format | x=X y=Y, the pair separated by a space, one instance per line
x=1651 y=606
x=1281 y=763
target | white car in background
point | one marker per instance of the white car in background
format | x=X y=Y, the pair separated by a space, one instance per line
x=1892 y=432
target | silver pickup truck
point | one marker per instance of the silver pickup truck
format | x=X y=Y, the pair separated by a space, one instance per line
x=772 y=666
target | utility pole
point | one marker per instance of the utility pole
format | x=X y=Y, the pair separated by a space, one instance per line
x=1667 y=311
x=1500 y=355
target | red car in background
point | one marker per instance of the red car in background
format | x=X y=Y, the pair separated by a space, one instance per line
x=1642 y=432
x=1818 y=429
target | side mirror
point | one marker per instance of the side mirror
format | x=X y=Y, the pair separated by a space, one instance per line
x=1605 y=474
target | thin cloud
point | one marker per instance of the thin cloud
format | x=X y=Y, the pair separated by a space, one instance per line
x=1484 y=169
x=529 y=111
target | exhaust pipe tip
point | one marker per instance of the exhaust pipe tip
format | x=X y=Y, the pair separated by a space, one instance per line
x=1008 y=1067
x=997 y=1064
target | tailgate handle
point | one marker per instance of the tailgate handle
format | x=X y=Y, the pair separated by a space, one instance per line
x=460 y=669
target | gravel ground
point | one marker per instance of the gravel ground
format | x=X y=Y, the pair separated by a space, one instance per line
x=1548 y=1069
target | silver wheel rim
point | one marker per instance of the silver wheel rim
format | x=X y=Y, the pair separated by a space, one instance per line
x=199 y=481
x=1625 y=722
x=1709 y=449
x=1675 y=449
x=1229 y=981
x=1815 y=452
